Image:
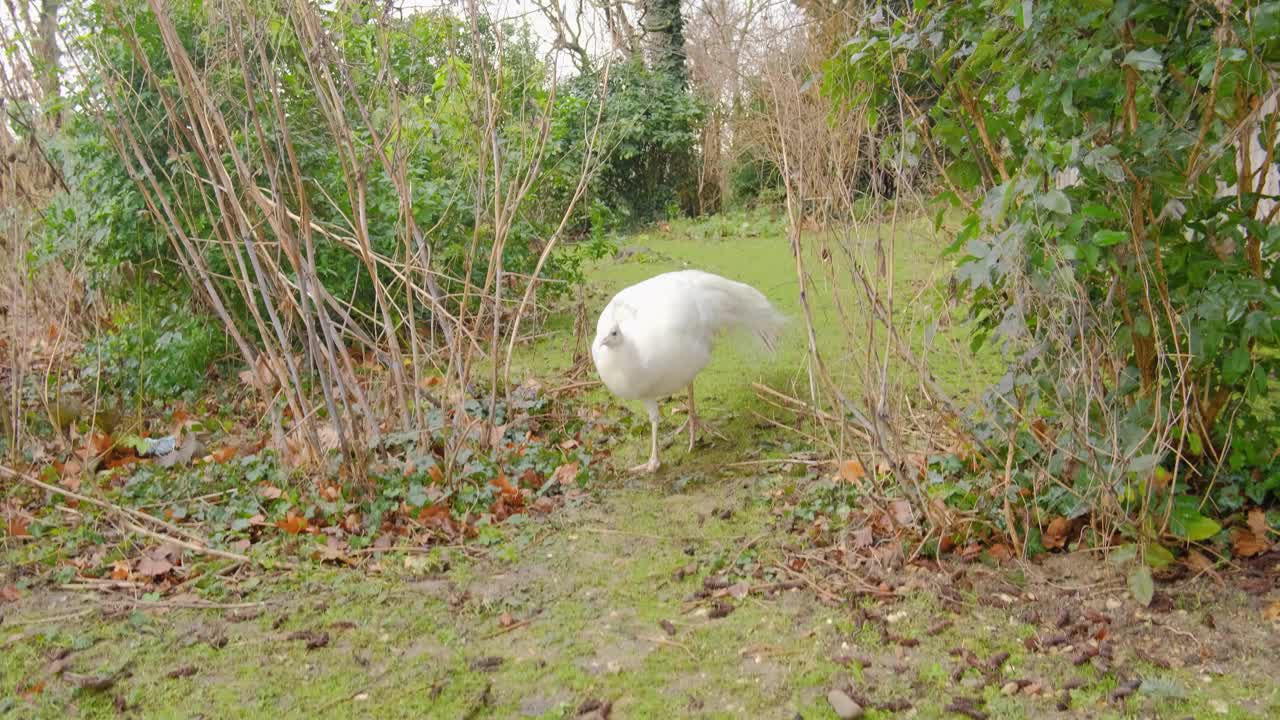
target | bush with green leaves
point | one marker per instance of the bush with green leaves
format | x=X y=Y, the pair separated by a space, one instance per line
x=414 y=75
x=649 y=137
x=1108 y=240
x=153 y=349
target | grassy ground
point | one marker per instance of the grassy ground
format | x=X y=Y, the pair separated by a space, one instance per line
x=600 y=601
x=583 y=598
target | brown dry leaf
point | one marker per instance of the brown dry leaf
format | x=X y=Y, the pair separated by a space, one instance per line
x=1055 y=536
x=1197 y=561
x=508 y=492
x=18 y=526
x=862 y=537
x=120 y=570
x=333 y=550
x=9 y=593
x=1246 y=544
x=69 y=474
x=505 y=620
x=269 y=492
x=99 y=443
x=739 y=590
x=565 y=474
x=1000 y=552
x=902 y=514
x=1272 y=611
x=154 y=566
x=437 y=476
x=851 y=471
x=292 y=524
x=327 y=436
x=1258 y=524
x=223 y=455
x=1040 y=430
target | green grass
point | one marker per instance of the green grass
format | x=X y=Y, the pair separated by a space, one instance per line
x=753 y=248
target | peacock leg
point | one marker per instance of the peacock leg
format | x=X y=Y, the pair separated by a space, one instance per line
x=652 y=465
x=694 y=424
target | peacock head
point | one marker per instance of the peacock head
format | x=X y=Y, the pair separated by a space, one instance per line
x=613 y=338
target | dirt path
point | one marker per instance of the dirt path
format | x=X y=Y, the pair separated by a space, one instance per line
x=593 y=607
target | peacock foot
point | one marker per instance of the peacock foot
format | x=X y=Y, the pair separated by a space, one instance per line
x=646 y=467
x=695 y=425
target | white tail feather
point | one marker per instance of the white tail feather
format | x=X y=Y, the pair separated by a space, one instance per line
x=728 y=305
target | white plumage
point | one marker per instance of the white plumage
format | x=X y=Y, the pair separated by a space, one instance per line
x=654 y=337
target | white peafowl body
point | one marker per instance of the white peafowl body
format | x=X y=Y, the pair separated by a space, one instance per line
x=654 y=337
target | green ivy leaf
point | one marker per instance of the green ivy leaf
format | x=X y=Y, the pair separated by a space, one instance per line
x=1186 y=522
x=1158 y=556
x=1143 y=60
x=1107 y=238
x=1055 y=201
x=1141 y=585
x=1094 y=211
x=1236 y=364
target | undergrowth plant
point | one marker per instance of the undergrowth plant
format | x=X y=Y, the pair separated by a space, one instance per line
x=1114 y=167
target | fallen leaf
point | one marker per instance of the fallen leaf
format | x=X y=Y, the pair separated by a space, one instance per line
x=1272 y=612
x=223 y=455
x=333 y=550
x=739 y=590
x=505 y=620
x=851 y=471
x=9 y=593
x=508 y=491
x=18 y=526
x=99 y=444
x=437 y=476
x=69 y=474
x=153 y=567
x=292 y=524
x=1246 y=544
x=565 y=474
x=862 y=537
x=95 y=682
x=120 y=570
x=719 y=609
x=313 y=639
x=902 y=514
x=1258 y=524
x=1055 y=536
x=270 y=492
x=1000 y=552
x=1197 y=562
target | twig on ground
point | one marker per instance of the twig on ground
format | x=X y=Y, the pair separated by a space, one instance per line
x=176 y=534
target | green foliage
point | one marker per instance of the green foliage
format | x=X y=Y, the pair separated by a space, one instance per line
x=1137 y=100
x=413 y=78
x=153 y=350
x=650 y=133
x=754 y=179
